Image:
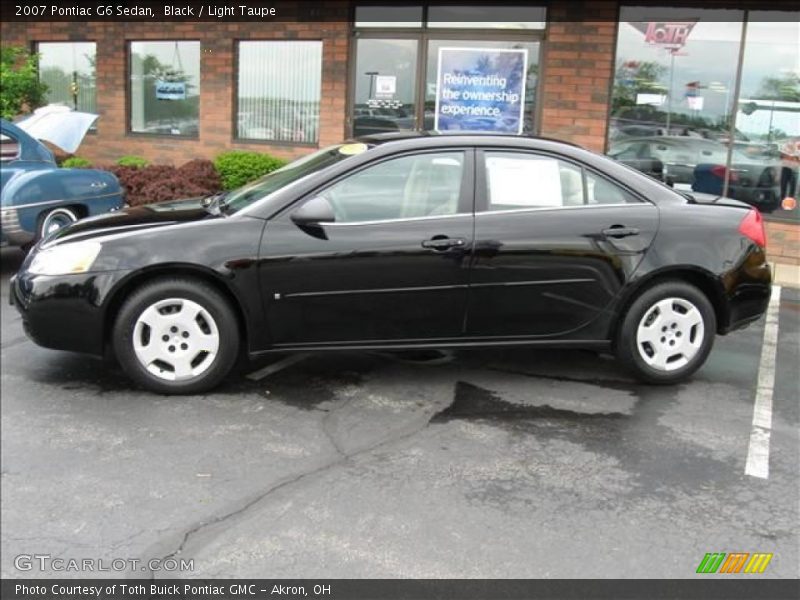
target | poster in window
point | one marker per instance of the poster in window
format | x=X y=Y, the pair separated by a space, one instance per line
x=481 y=90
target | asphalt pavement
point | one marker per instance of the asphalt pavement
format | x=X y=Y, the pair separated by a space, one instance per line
x=496 y=464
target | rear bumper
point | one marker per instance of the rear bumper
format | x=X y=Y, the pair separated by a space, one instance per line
x=12 y=232
x=749 y=289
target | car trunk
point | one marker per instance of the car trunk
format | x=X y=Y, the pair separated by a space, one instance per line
x=701 y=198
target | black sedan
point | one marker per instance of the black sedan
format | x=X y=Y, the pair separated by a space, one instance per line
x=404 y=241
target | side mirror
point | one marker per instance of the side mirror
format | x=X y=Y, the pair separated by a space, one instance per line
x=314 y=212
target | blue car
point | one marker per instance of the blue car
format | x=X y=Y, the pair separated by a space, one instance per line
x=37 y=197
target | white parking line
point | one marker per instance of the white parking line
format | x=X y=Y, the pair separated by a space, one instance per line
x=758 y=452
x=277 y=366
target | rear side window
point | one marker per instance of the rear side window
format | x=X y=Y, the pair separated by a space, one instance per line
x=517 y=181
x=9 y=148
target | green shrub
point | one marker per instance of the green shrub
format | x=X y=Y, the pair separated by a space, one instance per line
x=76 y=162
x=20 y=88
x=133 y=161
x=238 y=167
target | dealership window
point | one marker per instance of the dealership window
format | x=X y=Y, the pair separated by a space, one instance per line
x=68 y=70
x=675 y=111
x=445 y=68
x=165 y=87
x=768 y=115
x=674 y=89
x=273 y=103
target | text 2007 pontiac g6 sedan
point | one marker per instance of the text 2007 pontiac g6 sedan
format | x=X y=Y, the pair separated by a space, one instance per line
x=405 y=241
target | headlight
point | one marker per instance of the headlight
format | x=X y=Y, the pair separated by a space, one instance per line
x=76 y=257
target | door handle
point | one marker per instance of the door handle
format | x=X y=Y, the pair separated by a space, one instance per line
x=443 y=243
x=620 y=231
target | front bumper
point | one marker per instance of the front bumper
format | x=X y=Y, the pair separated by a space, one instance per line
x=65 y=312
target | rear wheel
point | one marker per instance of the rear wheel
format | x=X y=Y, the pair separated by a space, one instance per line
x=667 y=333
x=176 y=336
x=56 y=219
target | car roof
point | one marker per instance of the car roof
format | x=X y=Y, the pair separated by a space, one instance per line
x=474 y=138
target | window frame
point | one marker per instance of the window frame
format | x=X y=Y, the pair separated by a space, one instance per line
x=129 y=90
x=424 y=23
x=482 y=191
x=235 y=95
x=466 y=198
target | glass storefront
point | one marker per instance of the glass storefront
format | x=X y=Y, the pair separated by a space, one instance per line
x=385 y=86
x=675 y=113
x=404 y=55
x=768 y=115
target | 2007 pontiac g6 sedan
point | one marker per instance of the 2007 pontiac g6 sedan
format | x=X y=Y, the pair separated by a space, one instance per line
x=404 y=241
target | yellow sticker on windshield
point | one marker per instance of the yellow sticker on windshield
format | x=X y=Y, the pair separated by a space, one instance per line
x=351 y=149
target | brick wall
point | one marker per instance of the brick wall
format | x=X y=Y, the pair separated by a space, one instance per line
x=783 y=242
x=217 y=79
x=577 y=72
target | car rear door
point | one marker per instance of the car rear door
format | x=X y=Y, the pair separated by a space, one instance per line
x=393 y=266
x=554 y=243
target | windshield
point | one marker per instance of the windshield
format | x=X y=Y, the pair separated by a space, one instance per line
x=244 y=196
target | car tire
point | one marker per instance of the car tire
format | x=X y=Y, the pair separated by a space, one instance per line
x=176 y=336
x=667 y=332
x=55 y=220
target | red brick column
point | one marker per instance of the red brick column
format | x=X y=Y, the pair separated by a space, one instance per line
x=783 y=242
x=578 y=69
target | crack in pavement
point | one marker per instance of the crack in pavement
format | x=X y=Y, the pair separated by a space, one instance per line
x=343 y=457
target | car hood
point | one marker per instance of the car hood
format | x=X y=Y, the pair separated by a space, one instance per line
x=132 y=220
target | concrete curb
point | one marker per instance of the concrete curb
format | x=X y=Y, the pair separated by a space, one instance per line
x=786 y=275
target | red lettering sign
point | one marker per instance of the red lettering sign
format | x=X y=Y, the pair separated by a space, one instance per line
x=668 y=35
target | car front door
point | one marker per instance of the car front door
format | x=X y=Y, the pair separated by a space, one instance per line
x=392 y=266
x=554 y=244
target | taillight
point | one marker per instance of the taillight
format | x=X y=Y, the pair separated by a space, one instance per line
x=719 y=171
x=752 y=226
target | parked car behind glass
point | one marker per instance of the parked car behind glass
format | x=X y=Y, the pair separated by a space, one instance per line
x=700 y=164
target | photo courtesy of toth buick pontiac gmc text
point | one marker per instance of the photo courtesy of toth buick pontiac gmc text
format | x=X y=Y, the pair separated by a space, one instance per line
x=404 y=241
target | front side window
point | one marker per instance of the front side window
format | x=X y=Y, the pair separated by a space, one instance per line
x=279 y=87
x=68 y=71
x=518 y=181
x=165 y=88
x=423 y=185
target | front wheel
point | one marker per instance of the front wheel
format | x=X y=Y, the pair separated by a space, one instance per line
x=667 y=333
x=176 y=336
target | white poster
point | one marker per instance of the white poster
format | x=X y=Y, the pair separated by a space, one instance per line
x=523 y=182
x=385 y=85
